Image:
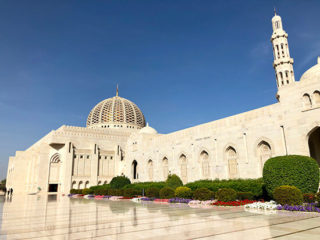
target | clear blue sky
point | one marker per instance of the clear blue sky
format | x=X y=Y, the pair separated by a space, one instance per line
x=182 y=62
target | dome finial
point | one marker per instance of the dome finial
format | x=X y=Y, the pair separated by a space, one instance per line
x=117 y=94
x=275 y=12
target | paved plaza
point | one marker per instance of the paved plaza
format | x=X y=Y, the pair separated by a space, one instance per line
x=58 y=217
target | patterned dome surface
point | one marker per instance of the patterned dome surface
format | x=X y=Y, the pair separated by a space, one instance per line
x=116 y=112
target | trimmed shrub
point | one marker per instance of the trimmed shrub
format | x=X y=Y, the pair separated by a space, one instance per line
x=173 y=181
x=203 y=194
x=100 y=189
x=183 y=192
x=245 y=196
x=115 y=192
x=226 y=195
x=87 y=191
x=317 y=197
x=309 y=197
x=289 y=195
x=119 y=182
x=166 y=193
x=294 y=170
x=239 y=185
x=130 y=192
x=152 y=192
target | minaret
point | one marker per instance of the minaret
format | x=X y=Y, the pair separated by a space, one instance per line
x=283 y=63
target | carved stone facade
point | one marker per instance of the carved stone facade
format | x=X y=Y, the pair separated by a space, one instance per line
x=121 y=144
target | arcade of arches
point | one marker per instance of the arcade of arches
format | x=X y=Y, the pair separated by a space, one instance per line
x=314 y=144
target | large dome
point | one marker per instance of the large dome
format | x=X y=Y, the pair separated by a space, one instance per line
x=116 y=112
x=312 y=74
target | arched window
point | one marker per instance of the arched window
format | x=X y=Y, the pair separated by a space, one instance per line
x=99 y=182
x=316 y=97
x=105 y=182
x=165 y=167
x=150 y=170
x=307 y=101
x=134 y=169
x=183 y=168
x=74 y=185
x=54 y=174
x=204 y=160
x=232 y=159
x=86 y=185
x=264 y=153
x=80 y=185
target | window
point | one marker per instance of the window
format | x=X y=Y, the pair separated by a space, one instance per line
x=307 y=101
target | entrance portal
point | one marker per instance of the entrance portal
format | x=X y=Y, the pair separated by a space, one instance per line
x=53 y=188
x=314 y=145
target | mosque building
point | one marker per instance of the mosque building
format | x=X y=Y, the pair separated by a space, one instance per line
x=117 y=140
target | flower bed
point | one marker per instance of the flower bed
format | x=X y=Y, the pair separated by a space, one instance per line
x=147 y=199
x=310 y=207
x=158 y=200
x=125 y=198
x=179 y=200
x=272 y=205
x=233 y=203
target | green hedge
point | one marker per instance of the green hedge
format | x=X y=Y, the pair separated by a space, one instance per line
x=288 y=195
x=294 y=170
x=166 y=193
x=152 y=192
x=203 y=194
x=145 y=185
x=240 y=185
x=226 y=195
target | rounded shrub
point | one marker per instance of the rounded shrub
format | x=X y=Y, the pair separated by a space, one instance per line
x=166 y=193
x=226 y=195
x=130 y=192
x=245 y=196
x=152 y=192
x=309 y=197
x=289 y=195
x=203 y=194
x=294 y=170
x=119 y=182
x=183 y=192
x=173 y=181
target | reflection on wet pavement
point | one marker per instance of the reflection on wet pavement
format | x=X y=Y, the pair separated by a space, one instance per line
x=58 y=217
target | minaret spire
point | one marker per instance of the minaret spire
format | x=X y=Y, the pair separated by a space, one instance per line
x=117 y=94
x=283 y=63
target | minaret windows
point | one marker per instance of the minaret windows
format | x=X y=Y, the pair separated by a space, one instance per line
x=277 y=24
x=281 y=78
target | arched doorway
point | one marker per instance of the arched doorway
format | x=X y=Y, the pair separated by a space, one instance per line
x=54 y=173
x=204 y=160
x=135 y=169
x=314 y=145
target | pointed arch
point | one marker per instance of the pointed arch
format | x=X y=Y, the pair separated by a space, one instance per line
x=134 y=169
x=232 y=159
x=165 y=167
x=316 y=97
x=183 y=168
x=205 y=166
x=150 y=170
x=264 y=152
x=307 y=103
